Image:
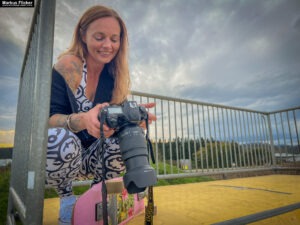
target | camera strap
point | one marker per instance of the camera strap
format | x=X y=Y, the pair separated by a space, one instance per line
x=104 y=189
x=149 y=144
x=149 y=211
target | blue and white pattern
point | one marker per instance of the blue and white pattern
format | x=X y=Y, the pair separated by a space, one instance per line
x=83 y=103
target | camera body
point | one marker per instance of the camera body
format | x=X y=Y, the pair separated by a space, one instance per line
x=119 y=116
x=125 y=119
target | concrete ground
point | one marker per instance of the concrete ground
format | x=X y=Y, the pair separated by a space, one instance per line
x=216 y=201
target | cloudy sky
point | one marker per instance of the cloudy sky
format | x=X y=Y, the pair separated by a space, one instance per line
x=238 y=53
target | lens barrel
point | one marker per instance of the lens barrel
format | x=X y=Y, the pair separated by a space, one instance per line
x=139 y=174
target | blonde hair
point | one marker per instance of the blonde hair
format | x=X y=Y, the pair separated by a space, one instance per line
x=118 y=67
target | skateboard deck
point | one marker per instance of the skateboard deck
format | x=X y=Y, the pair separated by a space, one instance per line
x=122 y=206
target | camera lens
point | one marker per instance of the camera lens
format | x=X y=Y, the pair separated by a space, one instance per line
x=139 y=174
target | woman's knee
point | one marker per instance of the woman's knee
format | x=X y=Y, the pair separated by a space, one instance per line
x=64 y=141
x=64 y=149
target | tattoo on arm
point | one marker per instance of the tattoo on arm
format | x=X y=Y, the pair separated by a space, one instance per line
x=76 y=67
x=71 y=73
x=58 y=120
x=61 y=120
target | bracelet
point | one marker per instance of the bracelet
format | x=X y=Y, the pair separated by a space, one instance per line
x=68 y=123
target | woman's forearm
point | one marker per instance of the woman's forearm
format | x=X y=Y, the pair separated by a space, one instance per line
x=73 y=122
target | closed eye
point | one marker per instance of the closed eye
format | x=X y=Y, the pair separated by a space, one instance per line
x=99 y=38
x=115 y=40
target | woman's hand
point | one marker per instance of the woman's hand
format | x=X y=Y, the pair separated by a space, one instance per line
x=151 y=117
x=92 y=124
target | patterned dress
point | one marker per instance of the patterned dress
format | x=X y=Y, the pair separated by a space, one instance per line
x=67 y=159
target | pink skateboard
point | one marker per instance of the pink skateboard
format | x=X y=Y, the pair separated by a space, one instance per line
x=122 y=206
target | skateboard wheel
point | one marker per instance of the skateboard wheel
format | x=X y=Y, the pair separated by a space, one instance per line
x=114 y=186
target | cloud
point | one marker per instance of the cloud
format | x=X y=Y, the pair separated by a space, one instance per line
x=9 y=95
x=248 y=93
x=296 y=24
x=14 y=28
x=15 y=25
x=10 y=57
x=237 y=53
x=227 y=53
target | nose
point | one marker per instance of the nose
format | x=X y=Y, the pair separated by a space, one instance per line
x=107 y=43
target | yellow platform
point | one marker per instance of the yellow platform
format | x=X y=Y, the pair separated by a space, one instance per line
x=216 y=201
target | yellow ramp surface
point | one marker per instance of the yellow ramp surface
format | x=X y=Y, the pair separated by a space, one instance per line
x=216 y=201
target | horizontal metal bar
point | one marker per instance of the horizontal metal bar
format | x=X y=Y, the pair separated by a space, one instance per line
x=261 y=215
x=285 y=110
x=212 y=172
x=76 y=183
x=192 y=102
x=82 y=183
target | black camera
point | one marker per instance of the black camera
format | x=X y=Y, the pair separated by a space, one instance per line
x=125 y=119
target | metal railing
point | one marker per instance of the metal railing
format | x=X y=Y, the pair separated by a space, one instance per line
x=285 y=128
x=192 y=137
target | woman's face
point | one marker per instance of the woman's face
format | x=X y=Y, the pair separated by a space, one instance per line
x=103 y=40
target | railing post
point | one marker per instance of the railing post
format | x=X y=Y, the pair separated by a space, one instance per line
x=27 y=184
x=271 y=140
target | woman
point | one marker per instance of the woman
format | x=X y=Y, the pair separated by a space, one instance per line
x=91 y=74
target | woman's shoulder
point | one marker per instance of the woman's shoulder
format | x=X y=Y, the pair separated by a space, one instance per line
x=70 y=68
x=68 y=62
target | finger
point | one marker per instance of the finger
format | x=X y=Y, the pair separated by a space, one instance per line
x=96 y=133
x=109 y=133
x=148 y=105
x=151 y=117
x=100 y=106
x=106 y=128
x=97 y=124
x=143 y=125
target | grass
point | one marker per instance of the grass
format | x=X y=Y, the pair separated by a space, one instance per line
x=167 y=169
x=4 y=187
x=50 y=193
x=187 y=180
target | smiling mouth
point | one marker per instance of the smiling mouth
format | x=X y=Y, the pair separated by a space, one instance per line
x=104 y=53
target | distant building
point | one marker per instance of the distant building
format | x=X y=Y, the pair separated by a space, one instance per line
x=185 y=164
x=288 y=157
